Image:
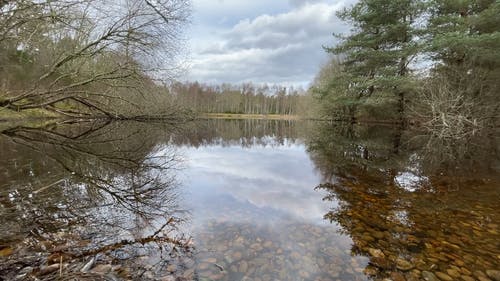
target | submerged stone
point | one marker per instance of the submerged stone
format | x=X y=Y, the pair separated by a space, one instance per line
x=453 y=273
x=404 y=265
x=396 y=276
x=376 y=253
x=243 y=267
x=429 y=276
x=444 y=276
x=493 y=274
x=380 y=262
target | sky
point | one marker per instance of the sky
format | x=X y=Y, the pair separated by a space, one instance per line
x=261 y=41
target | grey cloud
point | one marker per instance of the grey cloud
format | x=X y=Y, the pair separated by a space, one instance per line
x=298 y=3
x=299 y=25
x=283 y=48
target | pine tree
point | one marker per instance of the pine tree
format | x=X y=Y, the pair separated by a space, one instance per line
x=464 y=43
x=376 y=56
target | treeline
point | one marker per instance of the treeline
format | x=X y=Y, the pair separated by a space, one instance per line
x=87 y=58
x=245 y=98
x=435 y=62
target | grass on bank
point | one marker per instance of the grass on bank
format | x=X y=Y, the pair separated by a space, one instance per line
x=249 y=116
x=12 y=115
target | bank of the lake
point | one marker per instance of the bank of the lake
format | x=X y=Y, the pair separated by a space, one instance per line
x=8 y=115
x=248 y=116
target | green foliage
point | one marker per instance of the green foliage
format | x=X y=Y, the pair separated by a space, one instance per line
x=462 y=31
x=464 y=41
x=375 y=57
x=10 y=115
x=458 y=40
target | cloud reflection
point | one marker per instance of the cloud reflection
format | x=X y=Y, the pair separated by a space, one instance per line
x=268 y=183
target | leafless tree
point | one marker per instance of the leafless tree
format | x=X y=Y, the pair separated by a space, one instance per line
x=92 y=53
x=458 y=109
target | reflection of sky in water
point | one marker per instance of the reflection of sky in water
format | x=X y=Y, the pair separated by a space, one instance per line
x=411 y=180
x=264 y=183
x=263 y=192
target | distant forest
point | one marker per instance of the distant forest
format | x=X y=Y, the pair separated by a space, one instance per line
x=245 y=98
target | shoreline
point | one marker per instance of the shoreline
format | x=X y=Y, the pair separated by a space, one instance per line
x=248 y=116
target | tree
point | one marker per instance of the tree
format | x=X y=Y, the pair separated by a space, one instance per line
x=464 y=40
x=245 y=98
x=94 y=55
x=330 y=87
x=376 y=56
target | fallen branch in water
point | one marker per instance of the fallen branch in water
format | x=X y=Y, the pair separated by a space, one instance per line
x=152 y=238
x=47 y=186
x=219 y=266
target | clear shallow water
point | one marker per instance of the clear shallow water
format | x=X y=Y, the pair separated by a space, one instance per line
x=246 y=200
x=255 y=215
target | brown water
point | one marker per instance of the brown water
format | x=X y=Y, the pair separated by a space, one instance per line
x=246 y=200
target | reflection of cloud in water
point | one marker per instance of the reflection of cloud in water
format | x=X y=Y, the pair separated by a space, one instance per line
x=410 y=181
x=401 y=217
x=277 y=180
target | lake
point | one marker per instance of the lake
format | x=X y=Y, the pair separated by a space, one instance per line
x=246 y=200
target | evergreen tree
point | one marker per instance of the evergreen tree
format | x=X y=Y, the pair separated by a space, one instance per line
x=464 y=43
x=376 y=56
x=465 y=33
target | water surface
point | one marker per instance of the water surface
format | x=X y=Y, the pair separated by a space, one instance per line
x=246 y=200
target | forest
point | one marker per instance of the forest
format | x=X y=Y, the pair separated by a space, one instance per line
x=432 y=63
x=435 y=63
x=245 y=98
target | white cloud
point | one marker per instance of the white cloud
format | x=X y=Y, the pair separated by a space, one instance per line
x=285 y=47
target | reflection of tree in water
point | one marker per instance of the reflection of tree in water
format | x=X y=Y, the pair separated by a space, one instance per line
x=476 y=156
x=103 y=193
x=415 y=212
x=248 y=132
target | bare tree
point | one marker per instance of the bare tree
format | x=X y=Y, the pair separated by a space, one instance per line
x=457 y=110
x=93 y=54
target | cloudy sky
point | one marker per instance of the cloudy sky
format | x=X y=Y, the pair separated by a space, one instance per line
x=262 y=41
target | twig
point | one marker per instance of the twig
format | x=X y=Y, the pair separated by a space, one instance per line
x=47 y=186
x=219 y=266
x=60 y=265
